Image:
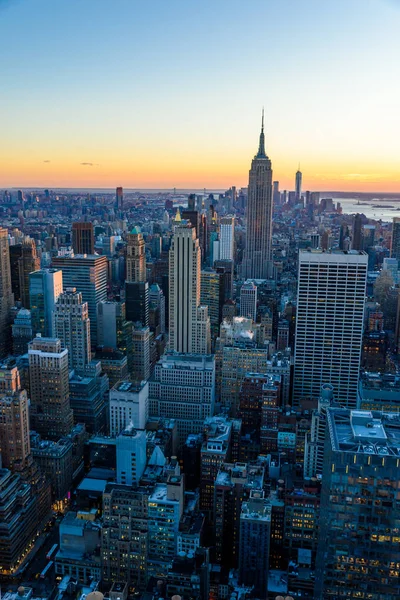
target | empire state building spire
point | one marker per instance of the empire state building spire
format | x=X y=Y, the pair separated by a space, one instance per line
x=261 y=146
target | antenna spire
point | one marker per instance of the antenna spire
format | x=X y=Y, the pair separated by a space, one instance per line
x=261 y=146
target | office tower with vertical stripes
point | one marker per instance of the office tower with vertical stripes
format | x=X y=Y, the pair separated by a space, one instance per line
x=257 y=263
x=329 y=324
x=226 y=238
x=189 y=323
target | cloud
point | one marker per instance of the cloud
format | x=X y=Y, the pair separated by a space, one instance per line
x=47 y=161
x=89 y=164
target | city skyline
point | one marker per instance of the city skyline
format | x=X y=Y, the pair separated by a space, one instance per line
x=99 y=112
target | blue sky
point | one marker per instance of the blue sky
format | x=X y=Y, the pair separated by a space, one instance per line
x=129 y=85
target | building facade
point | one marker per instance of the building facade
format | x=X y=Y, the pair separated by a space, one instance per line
x=258 y=252
x=51 y=414
x=88 y=274
x=72 y=327
x=329 y=323
x=189 y=324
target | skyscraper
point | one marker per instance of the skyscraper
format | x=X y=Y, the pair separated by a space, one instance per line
x=137 y=302
x=395 y=247
x=329 y=324
x=22 y=332
x=358 y=542
x=226 y=238
x=299 y=178
x=83 y=237
x=28 y=263
x=135 y=256
x=176 y=378
x=14 y=430
x=189 y=324
x=276 y=195
x=88 y=274
x=51 y=414
x=357 y=242
x=6 y=295
x=119 y=199
x=258 y=253
x=72 y=327
x=129 y=403
x=45 y=286
x=248 y=300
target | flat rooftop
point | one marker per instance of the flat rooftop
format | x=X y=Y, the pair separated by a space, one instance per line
x=129 y=386
x=364 y=432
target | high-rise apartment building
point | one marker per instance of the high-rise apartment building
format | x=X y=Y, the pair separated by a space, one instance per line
x=226 y=238
x=254 y=542
x=22 y=332
x=141 y=360
x=182 y=387
x=329 y=324
x=72 y=327
x=165 y=509
x=51 y=414
x=125 y=539
x=18 y=520
x=189 y=323
x=135 y=256
x=88 y=274
x=6 y=295
x=298 y=182
x=258 y=253
x=45 y=286
x=14 y=430
x=248 y=300
x=83 y=237
x=358 y=546
x=395 y=246
x=233 y=485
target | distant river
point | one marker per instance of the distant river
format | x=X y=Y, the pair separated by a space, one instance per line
x=349 y=205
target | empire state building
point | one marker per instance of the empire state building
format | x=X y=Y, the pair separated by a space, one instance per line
x=257 y=263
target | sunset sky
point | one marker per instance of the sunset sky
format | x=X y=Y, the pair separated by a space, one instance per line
x=99 y=93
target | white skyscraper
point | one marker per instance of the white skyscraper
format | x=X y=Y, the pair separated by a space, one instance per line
x=226 y=238
x=329 y=323
x=129 y=403
x=72 y=327
x=131 y=455
x=248 y=300
x=189 y=324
